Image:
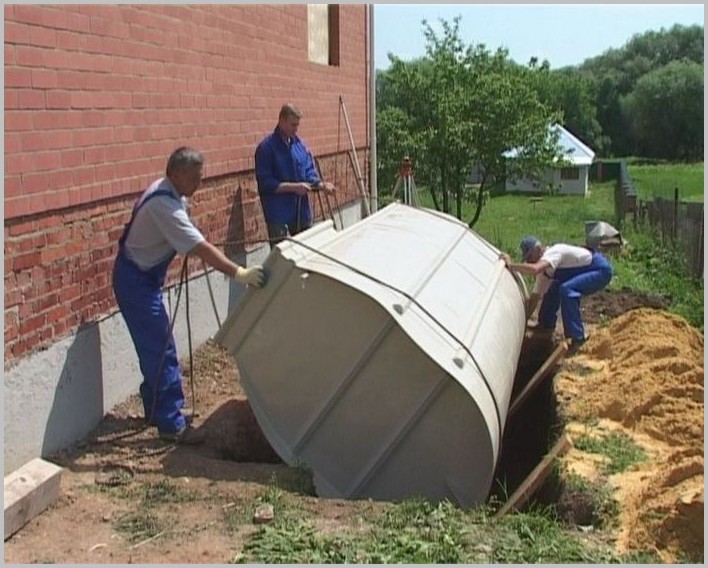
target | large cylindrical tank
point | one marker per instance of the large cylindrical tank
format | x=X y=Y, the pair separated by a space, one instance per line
x=382 y=356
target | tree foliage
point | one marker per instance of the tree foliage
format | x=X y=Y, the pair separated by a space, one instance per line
x=571 y=94
x=665 y=112
x=617 y=73
x=463 y=107
x=457 y=107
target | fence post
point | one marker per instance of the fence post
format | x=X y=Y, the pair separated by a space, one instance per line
x=699 y=272
x=674 y=225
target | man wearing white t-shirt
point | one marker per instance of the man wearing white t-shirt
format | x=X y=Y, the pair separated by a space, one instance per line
x=564 y=274
x=158 y=229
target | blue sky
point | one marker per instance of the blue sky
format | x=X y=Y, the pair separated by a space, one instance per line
x=565 y=34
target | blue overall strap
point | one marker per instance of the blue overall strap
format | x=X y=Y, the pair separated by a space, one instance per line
x=138 y=205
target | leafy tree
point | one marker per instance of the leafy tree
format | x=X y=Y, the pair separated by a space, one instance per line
x=395 y=139
x=572 y=95
x=615 y=73
x=463 y=105
x=665 y=111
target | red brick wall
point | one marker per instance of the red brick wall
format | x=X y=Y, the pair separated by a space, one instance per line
x=97 y=96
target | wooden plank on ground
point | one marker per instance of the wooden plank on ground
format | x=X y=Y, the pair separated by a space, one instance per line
x=538 y=378
x=29 y=490
x=534 y=480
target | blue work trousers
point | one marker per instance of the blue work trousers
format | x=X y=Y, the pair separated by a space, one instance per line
x=568 y=286
x=139 y=296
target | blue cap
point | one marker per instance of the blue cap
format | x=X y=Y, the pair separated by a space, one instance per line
x=528 y=243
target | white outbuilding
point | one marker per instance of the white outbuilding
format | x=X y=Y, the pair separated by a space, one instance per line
x=569 y=178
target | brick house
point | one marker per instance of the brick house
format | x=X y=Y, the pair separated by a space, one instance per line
x=96 y=97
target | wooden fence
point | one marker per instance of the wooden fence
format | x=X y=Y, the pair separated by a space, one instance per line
x=676 y=223
x=679 y=224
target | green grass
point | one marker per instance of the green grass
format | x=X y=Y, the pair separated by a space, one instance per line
x=598 y=494
x=619 y=449
x=235 y=515
x=506 y=218
x=418 y=532
x=139 y=526
x=163 y=491
x=653 y=181
x=649 y=267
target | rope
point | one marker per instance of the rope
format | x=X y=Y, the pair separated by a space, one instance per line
x=189 y=336
x=184 y=280
x=211 y=293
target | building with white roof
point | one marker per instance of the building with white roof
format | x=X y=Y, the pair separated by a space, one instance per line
x=568 y=178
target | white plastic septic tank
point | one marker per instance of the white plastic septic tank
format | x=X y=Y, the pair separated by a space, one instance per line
x=383 y=356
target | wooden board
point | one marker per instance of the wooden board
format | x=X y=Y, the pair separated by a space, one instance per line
x=538 y=378
x=29 y=490
x=536 y=477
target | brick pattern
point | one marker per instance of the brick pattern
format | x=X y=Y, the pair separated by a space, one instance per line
x=58 y=265
x=97 y=95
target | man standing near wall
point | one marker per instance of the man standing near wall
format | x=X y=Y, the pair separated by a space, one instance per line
x=286 y=173
x=158 y=229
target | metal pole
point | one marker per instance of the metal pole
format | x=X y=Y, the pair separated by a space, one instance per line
x=355 y=160
x=373 y=157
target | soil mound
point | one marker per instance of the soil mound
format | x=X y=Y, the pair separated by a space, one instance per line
x=651 y=386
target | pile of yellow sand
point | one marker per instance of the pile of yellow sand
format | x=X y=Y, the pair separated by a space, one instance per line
x=650 y=384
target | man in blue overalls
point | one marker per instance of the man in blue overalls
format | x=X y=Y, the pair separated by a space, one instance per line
x=158 y=229
x=286 y=173
x=564 y=274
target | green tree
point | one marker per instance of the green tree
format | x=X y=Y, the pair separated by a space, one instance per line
x=615 y=73
x=665 y=112
x=462 y=105
x=573 y=96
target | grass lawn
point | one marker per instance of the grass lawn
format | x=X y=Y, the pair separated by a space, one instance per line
x=507 y=218
x=652 y=181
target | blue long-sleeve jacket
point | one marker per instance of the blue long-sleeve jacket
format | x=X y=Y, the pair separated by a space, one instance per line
x=277 y=162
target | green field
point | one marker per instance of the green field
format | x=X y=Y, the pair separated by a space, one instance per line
x=653 y=181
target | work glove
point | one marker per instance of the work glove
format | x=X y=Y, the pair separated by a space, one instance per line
x=254 y=276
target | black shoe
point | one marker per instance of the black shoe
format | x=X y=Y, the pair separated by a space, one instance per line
x=187 y=436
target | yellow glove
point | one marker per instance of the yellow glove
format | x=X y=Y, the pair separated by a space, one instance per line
x=254 y=276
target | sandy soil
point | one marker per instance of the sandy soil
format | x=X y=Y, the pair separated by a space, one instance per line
x=644 y=378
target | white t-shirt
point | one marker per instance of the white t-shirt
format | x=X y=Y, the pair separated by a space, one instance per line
x=560 y=256
x=160 y=228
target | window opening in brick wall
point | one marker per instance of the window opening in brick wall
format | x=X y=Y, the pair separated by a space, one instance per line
x=323 y=33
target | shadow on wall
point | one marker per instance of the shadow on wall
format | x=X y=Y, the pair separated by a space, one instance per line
x=236 y=247
x=78 y=398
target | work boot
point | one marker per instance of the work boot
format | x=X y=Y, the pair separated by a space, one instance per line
x=186 y=436
x=574 y=345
